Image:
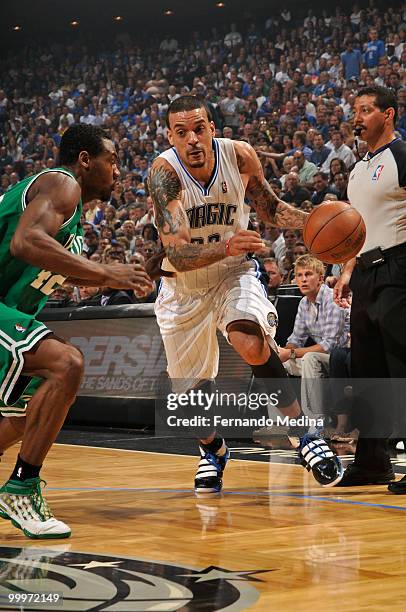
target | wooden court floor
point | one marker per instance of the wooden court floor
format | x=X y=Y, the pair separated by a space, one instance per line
x=274 y=540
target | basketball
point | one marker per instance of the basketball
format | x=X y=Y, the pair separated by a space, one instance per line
x=334 y=232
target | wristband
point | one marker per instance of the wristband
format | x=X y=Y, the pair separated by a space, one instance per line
x=228 y=254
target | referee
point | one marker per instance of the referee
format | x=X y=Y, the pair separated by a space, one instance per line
x=377 y=278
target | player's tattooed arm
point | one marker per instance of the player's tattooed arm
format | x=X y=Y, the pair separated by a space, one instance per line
x=173 y=225
x=263 y=199
x=164 y=187
x=185 y=257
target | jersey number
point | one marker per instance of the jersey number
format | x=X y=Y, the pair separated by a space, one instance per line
x=47 y=282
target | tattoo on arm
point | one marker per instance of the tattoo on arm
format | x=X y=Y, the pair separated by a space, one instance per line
x=263 y=198
x=164 y=186
x=289 y=216
x=270 y=208
x=240 y=162
x=192 y=256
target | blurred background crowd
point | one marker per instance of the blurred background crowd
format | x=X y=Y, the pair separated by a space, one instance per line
x=286 y=85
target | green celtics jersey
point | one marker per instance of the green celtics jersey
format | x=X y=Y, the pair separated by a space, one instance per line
x=23 y=286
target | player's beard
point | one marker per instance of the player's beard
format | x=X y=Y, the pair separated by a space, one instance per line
x=197 y=162
x=105 y=193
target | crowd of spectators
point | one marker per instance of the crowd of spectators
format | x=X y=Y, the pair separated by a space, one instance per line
x=286 y=85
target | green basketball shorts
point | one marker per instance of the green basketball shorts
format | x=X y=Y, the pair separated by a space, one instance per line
x=19 y=333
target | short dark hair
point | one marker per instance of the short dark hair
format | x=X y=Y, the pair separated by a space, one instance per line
x=322 y=175
x=186 y=103
x=300 y=136
x=81 y=137
x=384 y=98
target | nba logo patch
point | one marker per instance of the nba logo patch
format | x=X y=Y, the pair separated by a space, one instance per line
x=272 y=319
x=20 y=328
x=224 y=187
x=378 y=172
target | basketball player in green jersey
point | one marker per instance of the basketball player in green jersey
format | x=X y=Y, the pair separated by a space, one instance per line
x=40 y=242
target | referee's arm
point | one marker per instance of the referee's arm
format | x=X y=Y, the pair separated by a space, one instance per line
x=342 y=287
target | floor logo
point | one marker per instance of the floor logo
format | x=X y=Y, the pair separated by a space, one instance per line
x=103 y=583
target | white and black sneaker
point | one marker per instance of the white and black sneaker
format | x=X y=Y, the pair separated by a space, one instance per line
x=209 y=473
x=318 y=458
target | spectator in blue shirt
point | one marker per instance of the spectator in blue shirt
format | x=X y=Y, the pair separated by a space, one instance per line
x=324 y=84
x=352 y=60
x=374 y=50
x=320 y=151
x=299 y=144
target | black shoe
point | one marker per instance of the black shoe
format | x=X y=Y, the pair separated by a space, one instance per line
x=398 y=487
x=355 y=476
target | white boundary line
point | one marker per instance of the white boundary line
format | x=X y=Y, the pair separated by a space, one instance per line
x=128 y=450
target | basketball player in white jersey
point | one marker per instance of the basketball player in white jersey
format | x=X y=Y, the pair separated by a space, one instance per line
x=198 y=188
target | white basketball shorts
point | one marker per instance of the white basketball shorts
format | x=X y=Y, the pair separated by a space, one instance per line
x=189 y=322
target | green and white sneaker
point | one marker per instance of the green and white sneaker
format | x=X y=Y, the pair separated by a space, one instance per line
x=22 y=503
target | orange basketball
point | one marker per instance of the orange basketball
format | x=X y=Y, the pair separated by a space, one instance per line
x=334 y=232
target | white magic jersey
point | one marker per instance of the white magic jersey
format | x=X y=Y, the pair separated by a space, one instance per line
x=377 y=189
x=215 y=212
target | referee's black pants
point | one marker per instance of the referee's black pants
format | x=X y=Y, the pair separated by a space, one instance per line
x=378 y=355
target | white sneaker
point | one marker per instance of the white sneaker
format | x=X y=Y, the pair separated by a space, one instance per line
x=23 y=504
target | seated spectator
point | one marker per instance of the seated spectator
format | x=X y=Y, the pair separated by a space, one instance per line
x=320 y=151
x=91 y=242
x=277 y=241
x=94 y=211
x=129 y=232
x=228 y=132
x=276 y=185
x=347 y=132
x=336 y=165
x=340 y=150
x=306 y=206
x=320 y=326
x=340 y=185
x=107 y=232
x=149 y=214
x=299 y=144
x=361 y=149
x=87 y=295
x=110 y=218
x=329 y=197
x=288 y=268
x=62 y=297
x=150 y=232
x=287 y=166
x=321 y=188
x=294 y=193
x=149 y=249
x=299 y=250
x=291 y=236
x=305 y=169
x=275 y=276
